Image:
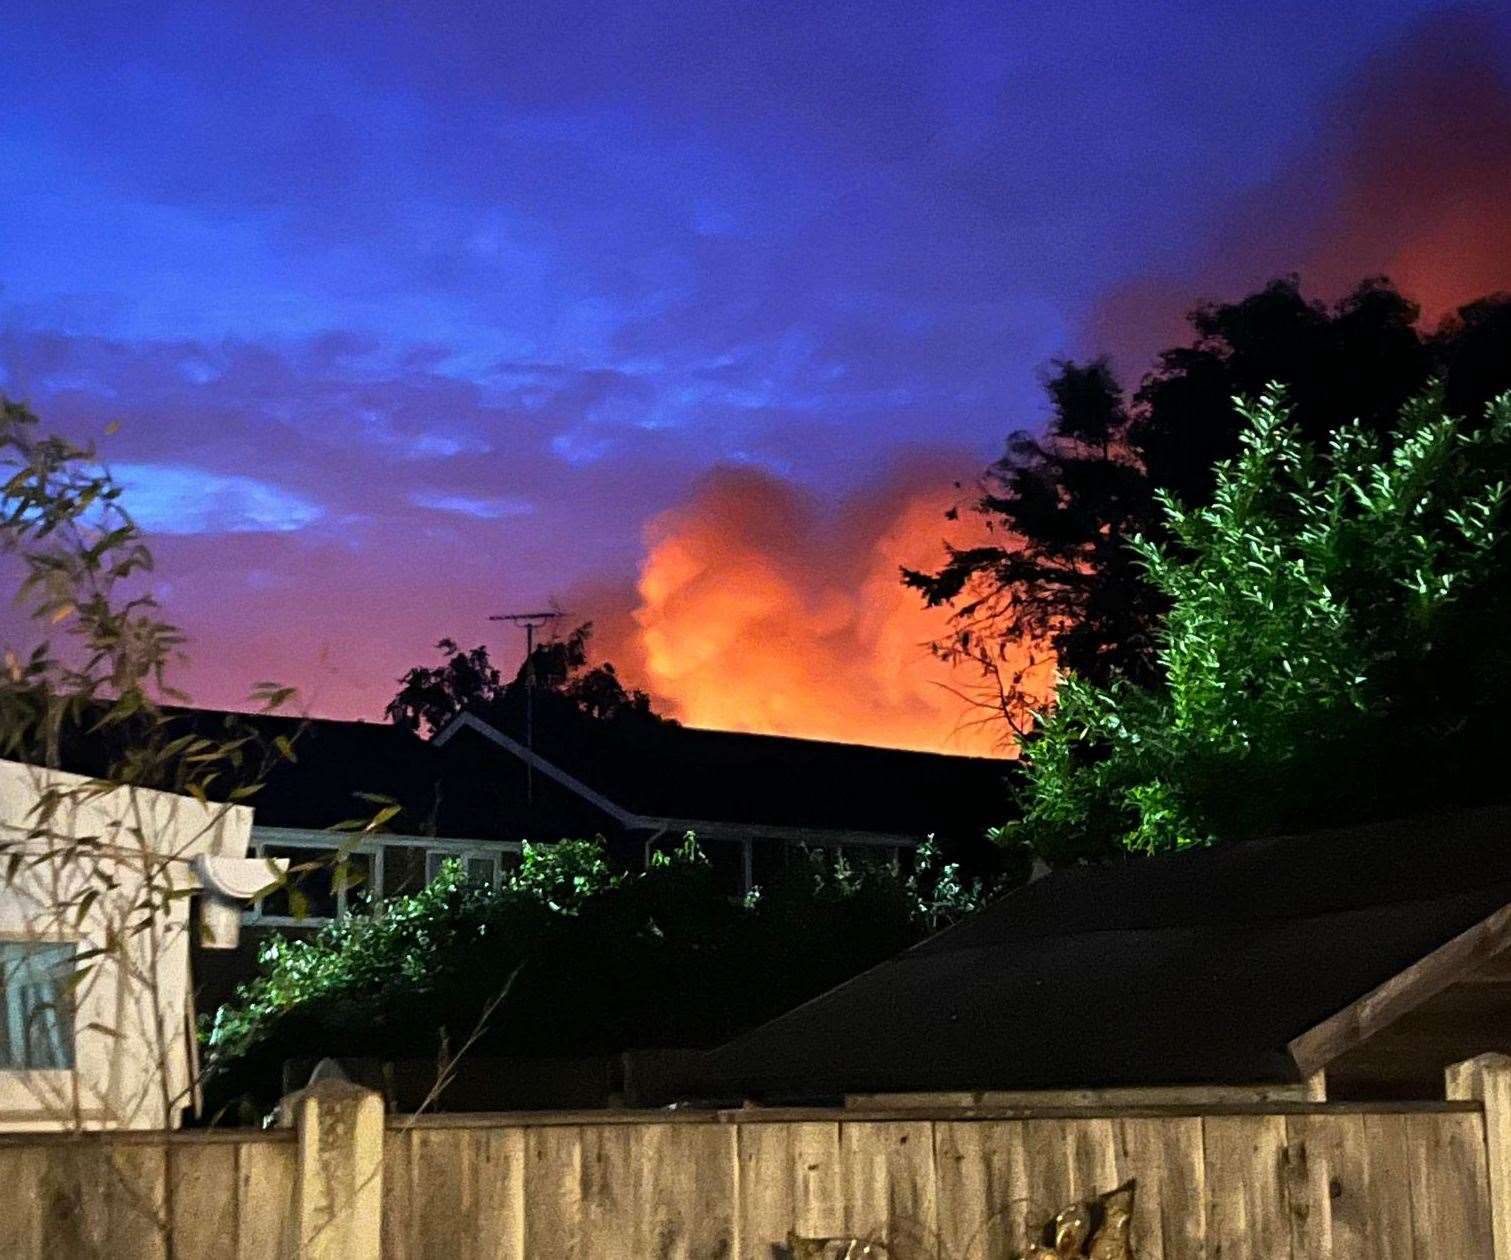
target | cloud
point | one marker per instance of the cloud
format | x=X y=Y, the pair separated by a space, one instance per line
x=482 y=509
x=183 y=499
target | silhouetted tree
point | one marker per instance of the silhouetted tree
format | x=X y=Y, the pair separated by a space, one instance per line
x=1062 y=505
x=430 y=696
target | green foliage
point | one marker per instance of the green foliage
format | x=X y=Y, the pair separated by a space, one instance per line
x=563 y=875
x=588 y=960
x=104 y=685
x=1332 y=613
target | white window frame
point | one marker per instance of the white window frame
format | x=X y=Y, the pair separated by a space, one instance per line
x=67 y=1030
x=372 y=848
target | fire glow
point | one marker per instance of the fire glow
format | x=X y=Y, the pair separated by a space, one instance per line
x=758 y=611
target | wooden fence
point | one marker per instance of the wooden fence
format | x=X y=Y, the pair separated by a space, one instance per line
x=1303 y=1182
x=1271 y=1181
x=148 y=1196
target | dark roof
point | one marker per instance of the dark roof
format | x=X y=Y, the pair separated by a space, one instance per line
x=665 y=770
x=1199 y=967
x=468 y=788
x=442 y=791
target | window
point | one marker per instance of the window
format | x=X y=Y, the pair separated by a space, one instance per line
x=37 y=1029
x=321 y=886
x=403 y=870
x=310 y=892
x=478 y=868
x=727 y=857
x=768 y=861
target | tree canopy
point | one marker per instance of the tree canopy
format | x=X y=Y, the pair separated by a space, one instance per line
x=430 y=696
x=1332 y=646
x=1062 y=504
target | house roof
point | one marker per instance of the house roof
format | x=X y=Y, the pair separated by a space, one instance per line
x=662 y=771
x=1196 y=968
x=628 y=773
x=442 y=791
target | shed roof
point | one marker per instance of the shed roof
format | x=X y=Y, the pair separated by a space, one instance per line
x=1196 y=968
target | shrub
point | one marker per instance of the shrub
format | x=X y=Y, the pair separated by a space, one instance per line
x=1334 y=646
x=593 y=961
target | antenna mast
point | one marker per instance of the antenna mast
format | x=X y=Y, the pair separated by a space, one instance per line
x=531 y=621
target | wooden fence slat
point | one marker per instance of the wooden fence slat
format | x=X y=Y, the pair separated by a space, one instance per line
x=1051 y=1180
x=1169 y=1208
x=711 y=1148
x=553 y=1176
x=1388 y=1201
x=1091 y=1157
x=76 y=1205
x=202 y=1183
x=887 y=1178
x=1450 y=1202
x=499 y=1172
x=398 y=1194
x=982 y=1188
x=818 y=1210
x=685 y=1188
x=764 y=1189
x=609 y=1199
x=264 y=1200
x=1247 y=1204
x=443 y=1207
x=22 y=1173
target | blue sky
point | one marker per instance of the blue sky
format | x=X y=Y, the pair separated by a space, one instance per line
x=474 y=292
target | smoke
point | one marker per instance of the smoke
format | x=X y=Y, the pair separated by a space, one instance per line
x=760 y=608
x=1407 y=175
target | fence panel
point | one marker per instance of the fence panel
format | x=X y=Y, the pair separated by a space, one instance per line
x=1303 y=1183
x=1273 y=1182
x=146 y=1197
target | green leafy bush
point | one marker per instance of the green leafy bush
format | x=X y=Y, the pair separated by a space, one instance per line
x=589 y=961
x=1334 y=646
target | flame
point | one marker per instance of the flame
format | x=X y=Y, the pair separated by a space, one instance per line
x=757 y=611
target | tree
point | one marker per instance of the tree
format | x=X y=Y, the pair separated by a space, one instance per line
x=1062 y=505
x=1332 y=646
x=430 y=696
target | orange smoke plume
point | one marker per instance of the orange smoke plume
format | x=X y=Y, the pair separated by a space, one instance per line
x=759 y=611
x=1406 y=175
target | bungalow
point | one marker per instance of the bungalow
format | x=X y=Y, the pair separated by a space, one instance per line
x=474 y=793
x=1344 y=965
x=96 y=998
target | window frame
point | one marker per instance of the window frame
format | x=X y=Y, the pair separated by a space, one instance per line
x=372 y=848
x=68 y=1030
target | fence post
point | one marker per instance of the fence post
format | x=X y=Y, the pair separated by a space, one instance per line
x=338 y=1181
x=1487 y=1079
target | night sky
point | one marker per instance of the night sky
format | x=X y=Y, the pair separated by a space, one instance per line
x=685 y=315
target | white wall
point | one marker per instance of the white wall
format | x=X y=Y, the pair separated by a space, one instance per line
x=133 y=1047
